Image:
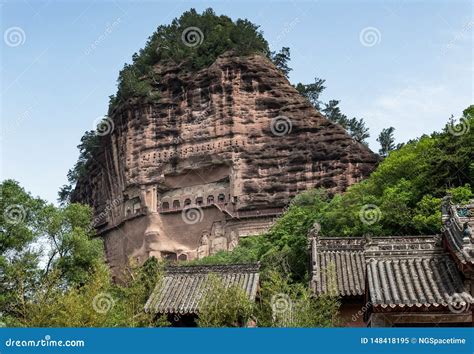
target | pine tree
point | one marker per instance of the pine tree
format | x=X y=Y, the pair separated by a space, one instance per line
x=281 y=60
x=334 y=114
x=313 y=91
x=387 y=141
x=358 y=130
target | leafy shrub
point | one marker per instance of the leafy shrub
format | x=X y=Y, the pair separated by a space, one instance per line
x=284 y=303
x=224 y=306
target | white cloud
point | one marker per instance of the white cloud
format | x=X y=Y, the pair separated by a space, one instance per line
x=414 y=109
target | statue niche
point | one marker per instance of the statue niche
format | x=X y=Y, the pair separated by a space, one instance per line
x=219 y=241
x=203 y=249
x=234 y=240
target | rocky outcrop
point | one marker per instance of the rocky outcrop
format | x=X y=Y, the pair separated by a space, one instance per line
x=214 y=159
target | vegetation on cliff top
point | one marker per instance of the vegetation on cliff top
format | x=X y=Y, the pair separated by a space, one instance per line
x=194 y=41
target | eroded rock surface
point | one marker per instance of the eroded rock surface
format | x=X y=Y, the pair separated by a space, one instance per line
x=214 y=159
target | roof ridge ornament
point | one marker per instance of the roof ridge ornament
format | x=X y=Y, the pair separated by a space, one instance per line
x=314 y=231
x=368 y=238
x=313 y=235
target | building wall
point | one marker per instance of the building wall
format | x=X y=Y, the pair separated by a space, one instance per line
x=351 y=314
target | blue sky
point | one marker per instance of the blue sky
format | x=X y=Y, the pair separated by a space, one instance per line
x=404 y=64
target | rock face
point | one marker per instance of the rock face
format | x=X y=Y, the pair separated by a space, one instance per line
x=216 y=158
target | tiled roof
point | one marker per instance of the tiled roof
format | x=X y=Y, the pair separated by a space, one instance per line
x=338 y=266
x=415 y=281
x=183 y=286
x=400 y=246
x=400 y=270
x=412 y=271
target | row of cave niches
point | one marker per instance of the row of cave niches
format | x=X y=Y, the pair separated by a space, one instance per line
x=201 y=202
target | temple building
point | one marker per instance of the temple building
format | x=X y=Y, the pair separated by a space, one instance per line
x=400 y=281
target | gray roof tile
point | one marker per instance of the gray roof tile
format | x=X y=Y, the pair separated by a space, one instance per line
x=338 y=266
x=420 y=281
x=183 y=287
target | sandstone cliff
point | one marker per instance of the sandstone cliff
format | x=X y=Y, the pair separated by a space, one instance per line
x=214 y=159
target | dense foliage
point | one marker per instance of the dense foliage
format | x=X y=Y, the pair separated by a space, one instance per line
x=33 y=231
x=224 y=306
x=280 y=303
x=53 y=272
x=284 y=303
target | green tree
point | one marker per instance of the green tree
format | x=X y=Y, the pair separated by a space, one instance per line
x=355 y=127
x=96 y=303
x=35 y=233
x=386 y=141
x=87 y=149
x=224 y=306
x=73 y=250
x=20 y=221
x=358 y=130
x=312 y=92
x=283 y=303
x=461 y=194
x=332 y=112
x=281 y=59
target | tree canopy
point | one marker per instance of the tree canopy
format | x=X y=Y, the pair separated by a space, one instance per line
x=53 y=270
x=386 y=141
